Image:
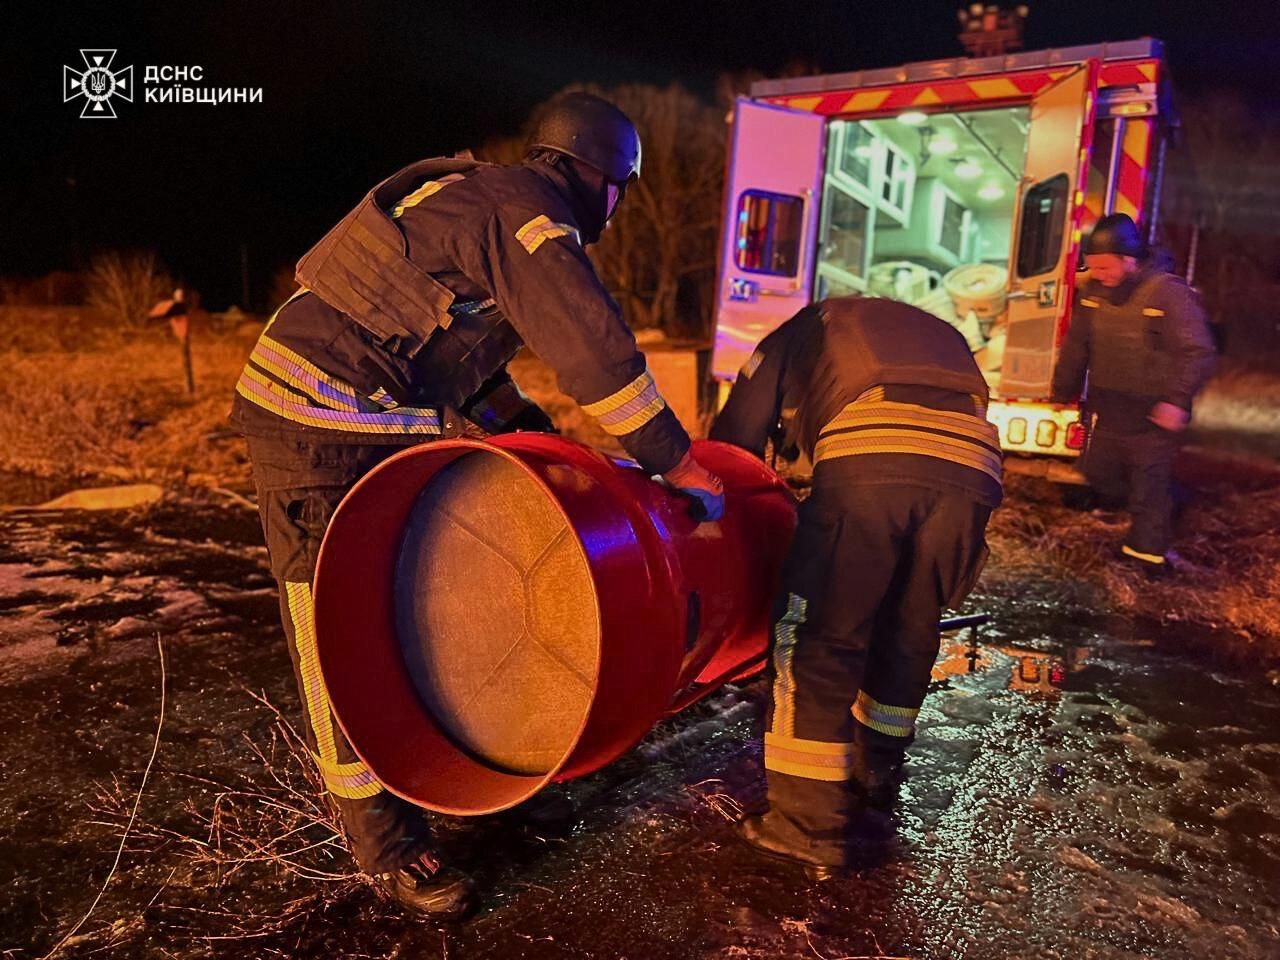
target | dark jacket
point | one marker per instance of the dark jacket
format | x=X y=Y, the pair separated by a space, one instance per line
x=499 y=265
x=873 y=391
x=1142 y=342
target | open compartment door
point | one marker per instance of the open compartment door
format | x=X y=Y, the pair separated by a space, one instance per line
x=1050 y=208
x=770 y=224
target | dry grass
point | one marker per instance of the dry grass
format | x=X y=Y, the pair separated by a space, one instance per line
x=1228 y=541
x=83 y=398
x=272 y=821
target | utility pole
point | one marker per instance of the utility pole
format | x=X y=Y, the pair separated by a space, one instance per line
x=988 y=31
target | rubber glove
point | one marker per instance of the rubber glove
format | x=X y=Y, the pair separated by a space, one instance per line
x=706 y=489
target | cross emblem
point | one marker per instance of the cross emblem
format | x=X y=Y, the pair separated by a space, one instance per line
x=97 y=83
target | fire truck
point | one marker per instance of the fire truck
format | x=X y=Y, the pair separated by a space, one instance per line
x=961 y=186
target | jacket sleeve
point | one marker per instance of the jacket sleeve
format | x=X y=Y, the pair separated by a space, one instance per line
x=1187 y=340
x=499 y=406
x=1073 y=359
x=542 y=280
x=750 y=415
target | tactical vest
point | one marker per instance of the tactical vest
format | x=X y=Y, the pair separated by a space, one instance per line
x=871 y=342
x=360 y=267
x=1128 y=349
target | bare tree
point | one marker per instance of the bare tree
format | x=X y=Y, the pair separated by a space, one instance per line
x=658 y=255
x=1224 y=184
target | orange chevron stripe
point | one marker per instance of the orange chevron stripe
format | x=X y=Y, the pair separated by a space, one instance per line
x=1017 y=85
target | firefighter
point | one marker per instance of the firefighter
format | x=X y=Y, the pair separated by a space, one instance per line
x=890 y=407
x=1141 y=336
x=408 y=312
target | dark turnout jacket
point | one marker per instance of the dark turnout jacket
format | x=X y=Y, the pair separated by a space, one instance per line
x=873 y=391
x=1142 y=342
x=419 y=298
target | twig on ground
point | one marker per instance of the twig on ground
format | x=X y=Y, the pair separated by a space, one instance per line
x=146 y=774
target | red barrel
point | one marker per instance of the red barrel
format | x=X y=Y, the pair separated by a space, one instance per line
x=495 y=615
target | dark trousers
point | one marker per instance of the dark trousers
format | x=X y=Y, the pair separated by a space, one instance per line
x=1137 y=468
x=856 y=636
x=300 y=483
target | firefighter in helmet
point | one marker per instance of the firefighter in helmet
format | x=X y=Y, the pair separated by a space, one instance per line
x=408 y=312
x=890 y=407
x=1141 y=336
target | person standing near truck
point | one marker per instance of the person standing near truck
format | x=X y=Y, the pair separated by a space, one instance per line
x=890 y=407
x=1141 y=335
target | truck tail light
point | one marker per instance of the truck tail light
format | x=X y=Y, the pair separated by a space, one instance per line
x=1075 y=436
x=1046 y=433
x=1017 y=432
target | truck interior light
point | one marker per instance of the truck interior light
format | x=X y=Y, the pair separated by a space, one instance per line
x=990 y=192
x=1017 y=431
x=913 y=118
x=968 y=170
x=942 y=146
x=1046 y=433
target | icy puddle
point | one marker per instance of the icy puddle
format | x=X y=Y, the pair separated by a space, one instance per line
x=1079 y=788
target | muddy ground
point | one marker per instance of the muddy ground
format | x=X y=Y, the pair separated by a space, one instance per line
x=1083 y=786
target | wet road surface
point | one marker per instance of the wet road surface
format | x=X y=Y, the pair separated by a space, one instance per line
x=1080 y=787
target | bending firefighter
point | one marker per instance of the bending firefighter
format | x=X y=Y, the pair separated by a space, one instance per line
x=410 y=309
x=1141 y=335
x=890 y=407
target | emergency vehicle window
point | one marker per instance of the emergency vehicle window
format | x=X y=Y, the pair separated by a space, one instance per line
x=1044 y=218
x=769 y=233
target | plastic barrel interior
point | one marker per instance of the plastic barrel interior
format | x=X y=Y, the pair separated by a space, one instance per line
x=496 y=615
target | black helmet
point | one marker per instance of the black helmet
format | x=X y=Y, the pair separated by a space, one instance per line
x=592 y=130
x=1115 y=233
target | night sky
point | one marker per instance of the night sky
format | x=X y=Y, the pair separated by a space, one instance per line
x=354 y=91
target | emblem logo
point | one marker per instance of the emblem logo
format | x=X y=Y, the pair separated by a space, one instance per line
x=97 y=83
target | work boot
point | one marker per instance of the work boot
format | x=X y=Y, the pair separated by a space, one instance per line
x=877 y=772
x=425 y=887
x=773 y=836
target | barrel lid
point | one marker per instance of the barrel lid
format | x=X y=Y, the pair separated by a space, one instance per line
x=496 y=615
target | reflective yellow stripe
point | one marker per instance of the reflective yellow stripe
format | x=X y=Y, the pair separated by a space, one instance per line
x=307 y=366
x=883 y=718
x=1148 y=557
x=298 y=596
x=812 y=759
x=424 y=191
x=900 y=442
x=891 y=412
x=284 y=403
x=542 y=228
x=1152 y=312
x=871 y=425
x=353 y=781
x=784 y=644
x=630 y=408
x=310 y=395
x=1089 y=302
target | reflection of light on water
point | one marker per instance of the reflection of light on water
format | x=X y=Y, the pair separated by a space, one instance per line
x=1031 y=671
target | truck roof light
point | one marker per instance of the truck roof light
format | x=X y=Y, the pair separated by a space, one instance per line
x=913 y=118
x=991 y=192
x=968 y=170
